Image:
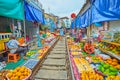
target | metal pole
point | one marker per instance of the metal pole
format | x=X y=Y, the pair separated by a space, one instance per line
x=90 y=18
x=13 y=26
x=24 y=24
x=24 y=30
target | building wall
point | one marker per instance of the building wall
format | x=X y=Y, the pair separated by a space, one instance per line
x=51 y=17
x=114 y=25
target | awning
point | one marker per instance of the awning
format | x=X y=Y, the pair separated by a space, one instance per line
x=100 y=12
x=77 y=22
x=33 y=14
x=12 y=9
x=73 y=24
x=107 y=11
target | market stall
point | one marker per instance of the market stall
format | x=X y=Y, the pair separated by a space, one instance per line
x=35 y=57
x=102 y=65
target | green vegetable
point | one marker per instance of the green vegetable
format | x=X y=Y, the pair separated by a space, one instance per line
x=112 y=73
x=113 y=69
x=106 y=66
x=102 y=69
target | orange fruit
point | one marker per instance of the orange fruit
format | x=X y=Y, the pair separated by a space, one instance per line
x=21 y=77
x=12 y=78
x=15 y=71
x=26 y=73
x=9 y=75
x=18 y=74
x=18 y=68
x=16 y=78
x=115 y=60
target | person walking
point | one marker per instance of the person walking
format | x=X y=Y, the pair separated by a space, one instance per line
x=61 y=33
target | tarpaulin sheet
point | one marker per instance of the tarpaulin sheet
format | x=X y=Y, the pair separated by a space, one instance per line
x=73 y=24
x=100 y=11
x=77 y=22
x=33 y=14
x=105 y=10
x=85 y=19
x=12 y=9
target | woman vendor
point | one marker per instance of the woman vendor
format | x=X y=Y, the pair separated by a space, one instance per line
x=89 y=48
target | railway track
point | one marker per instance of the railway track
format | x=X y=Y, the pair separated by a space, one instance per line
x=56 y=64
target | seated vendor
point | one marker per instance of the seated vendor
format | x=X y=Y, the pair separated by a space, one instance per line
x=16 y=47
x=89 y=48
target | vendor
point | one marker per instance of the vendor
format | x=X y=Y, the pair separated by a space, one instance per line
x=39 y=37
x=16 y=47
x=79 y=36
x=100 y=36
x=89 y=48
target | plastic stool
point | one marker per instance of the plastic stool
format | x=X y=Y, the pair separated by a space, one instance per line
x=13 y=57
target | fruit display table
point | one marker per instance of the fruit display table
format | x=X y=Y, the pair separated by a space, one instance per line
x=98 y=66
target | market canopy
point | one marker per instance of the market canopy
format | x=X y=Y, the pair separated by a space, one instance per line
x=12 y=9
x=107 y=11
x=77 y=22
x=99 y=12
x=33 y=14
x=73 y=24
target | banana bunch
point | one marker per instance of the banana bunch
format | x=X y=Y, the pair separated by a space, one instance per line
x=86 y=64
x=82 y=65
x=81 y=68
x=75 y=53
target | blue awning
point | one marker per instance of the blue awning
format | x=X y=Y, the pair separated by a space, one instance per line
x=85 y=19
x=33 y=14
x=77 y=22
x=100 y=12
x=73 y=24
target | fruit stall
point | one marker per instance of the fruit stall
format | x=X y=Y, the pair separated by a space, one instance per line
x=26 y=69
x=102 y=65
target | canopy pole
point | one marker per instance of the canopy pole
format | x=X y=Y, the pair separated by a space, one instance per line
x=24 y=30
x=89 y=33
x=13 y=32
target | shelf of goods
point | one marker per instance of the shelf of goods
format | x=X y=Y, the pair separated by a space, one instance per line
x=91 y=67
x=110 y=48
x=35 y=58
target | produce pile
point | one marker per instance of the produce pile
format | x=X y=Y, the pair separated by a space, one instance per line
x=113 y=62
x=108 y=70
x=42 y=51
x=19 y=73
x=117 y=37
x=110 y=47
x=91 y=75
x=113 y=78
x=82 y=65
x=30 y=53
